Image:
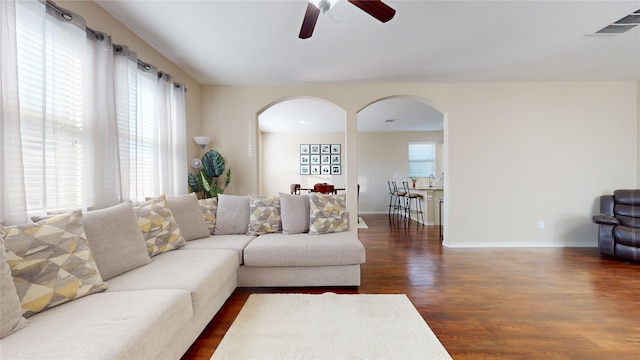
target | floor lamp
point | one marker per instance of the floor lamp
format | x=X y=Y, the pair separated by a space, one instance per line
x=202 y=141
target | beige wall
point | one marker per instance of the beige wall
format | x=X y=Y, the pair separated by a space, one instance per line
x=100 y=20
x=517 y=153
x=384 y=156
x=281 y=161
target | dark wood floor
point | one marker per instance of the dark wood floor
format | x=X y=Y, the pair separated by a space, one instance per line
x=551 y=303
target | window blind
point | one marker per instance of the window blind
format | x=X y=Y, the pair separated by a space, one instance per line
x=421 y=159
x=51 y=108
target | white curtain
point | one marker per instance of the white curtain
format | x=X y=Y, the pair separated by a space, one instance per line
x=50 y=73
x=180 y=169
x=125 y=68
x=103 y=185
x=83 y=126
x=13 y=207
x=138 y=132
x=172 y=136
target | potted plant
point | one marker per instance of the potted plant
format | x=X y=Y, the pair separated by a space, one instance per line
x=205 y=181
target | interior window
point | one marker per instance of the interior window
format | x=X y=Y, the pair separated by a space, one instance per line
x=422 y=158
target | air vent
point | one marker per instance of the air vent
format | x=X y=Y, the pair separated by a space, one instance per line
x=390 y=120
x=621 y=25
x=615 y=29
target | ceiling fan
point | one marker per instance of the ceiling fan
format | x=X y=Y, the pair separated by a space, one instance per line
x=375 y=8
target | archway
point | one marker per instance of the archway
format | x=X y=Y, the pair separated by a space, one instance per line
x=386 y=127
x=285 y=125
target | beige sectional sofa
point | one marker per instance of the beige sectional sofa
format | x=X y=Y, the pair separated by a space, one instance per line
x=154 y=304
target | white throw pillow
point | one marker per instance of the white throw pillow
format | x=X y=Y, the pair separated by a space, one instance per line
x=116 y=239
x=294 y=210
x=189 y=216
x=233 y=215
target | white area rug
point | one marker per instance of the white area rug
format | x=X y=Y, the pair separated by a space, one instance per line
x=362 y=224
x=329 y=326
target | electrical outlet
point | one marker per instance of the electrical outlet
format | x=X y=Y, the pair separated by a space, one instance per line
x=541 y=224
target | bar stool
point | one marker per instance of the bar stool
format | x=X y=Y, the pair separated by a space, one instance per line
x=400 y=202
x=393 y=199
x=412 y=198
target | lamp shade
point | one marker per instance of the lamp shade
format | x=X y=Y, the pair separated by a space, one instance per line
x=201 y=140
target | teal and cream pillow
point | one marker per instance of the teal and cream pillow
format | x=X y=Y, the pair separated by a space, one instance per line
x=264 y=215
x=51 y=262
x=158 y=226
x=327 y=213
x=209 y=208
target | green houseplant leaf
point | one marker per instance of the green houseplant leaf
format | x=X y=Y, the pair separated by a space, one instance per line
x=213 y=163
x=194 y=184
x=205 y=181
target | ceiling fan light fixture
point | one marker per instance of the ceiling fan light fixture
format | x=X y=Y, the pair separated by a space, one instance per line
x=324 y=5
x=375 y=8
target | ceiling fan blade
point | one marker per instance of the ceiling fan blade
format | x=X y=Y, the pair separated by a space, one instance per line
x=309 y=22
x=375 y=8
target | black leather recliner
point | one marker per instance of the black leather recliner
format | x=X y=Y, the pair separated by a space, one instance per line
x=619 y=225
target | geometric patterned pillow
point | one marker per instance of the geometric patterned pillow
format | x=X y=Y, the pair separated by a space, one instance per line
x=159 y=229
x=11 y=319
x=209 y=208
x=327 y=213
x=264 y=215
x=51 y=262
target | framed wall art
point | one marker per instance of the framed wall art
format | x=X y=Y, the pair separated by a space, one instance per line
x=320 y=159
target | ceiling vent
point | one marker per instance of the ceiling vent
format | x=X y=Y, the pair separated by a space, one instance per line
x=620 y=26
x=390 y=120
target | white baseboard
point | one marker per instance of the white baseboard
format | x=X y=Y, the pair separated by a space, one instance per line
x=519 y=245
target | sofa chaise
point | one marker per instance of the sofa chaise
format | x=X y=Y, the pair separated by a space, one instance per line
x=142 y=280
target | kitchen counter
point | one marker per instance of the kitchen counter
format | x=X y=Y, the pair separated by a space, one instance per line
x=430 y=203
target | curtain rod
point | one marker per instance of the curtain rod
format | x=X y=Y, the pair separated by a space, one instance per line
x=68 y=16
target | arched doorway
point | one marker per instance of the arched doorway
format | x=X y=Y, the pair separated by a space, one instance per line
x=386 y=127
x=285 y=125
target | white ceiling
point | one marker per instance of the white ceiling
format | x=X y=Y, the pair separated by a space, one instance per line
x=256 y=42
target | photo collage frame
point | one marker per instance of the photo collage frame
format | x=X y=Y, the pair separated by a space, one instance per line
x=320 y=159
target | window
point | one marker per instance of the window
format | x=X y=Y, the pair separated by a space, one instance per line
x=51 y=109
x=422 y=158
x=95 y=127
x=137 y=132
